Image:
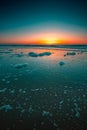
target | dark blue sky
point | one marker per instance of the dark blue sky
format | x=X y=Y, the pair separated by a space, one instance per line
x=33 y=15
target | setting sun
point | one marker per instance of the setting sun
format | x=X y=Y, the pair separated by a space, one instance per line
x=51 y=40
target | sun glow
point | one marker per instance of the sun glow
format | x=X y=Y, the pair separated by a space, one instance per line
x=51 y=40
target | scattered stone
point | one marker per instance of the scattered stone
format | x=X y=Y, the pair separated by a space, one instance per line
x=6 y=108
x=24 y=91
x=32 y=54
x=20 y=90
x=20 y=54
x=61 y=63
x=37 y=89
x=45 y=113
x=77 y=114
x=7 y=82
x=77 y=110
x=55 y=125
x=23 y=110
x=3 y=90
x=30 y=110
x=45 y=54
x=3 y=80
x=61 y=102
x=19 y=66
x=12 y=91
x=71 y=53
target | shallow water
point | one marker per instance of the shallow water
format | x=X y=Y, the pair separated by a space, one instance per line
x=43 y=92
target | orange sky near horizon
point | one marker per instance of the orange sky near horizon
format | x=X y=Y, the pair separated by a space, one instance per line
x=49 y=38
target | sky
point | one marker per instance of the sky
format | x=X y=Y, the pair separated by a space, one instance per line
x=43 y=22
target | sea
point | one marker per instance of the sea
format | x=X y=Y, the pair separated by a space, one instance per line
x=43 y=87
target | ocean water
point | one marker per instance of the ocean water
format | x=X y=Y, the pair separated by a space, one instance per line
x=43 y=88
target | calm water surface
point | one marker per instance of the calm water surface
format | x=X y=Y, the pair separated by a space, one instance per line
x=43 y=92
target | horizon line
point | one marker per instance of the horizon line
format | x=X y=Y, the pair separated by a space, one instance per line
x=8 y=44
